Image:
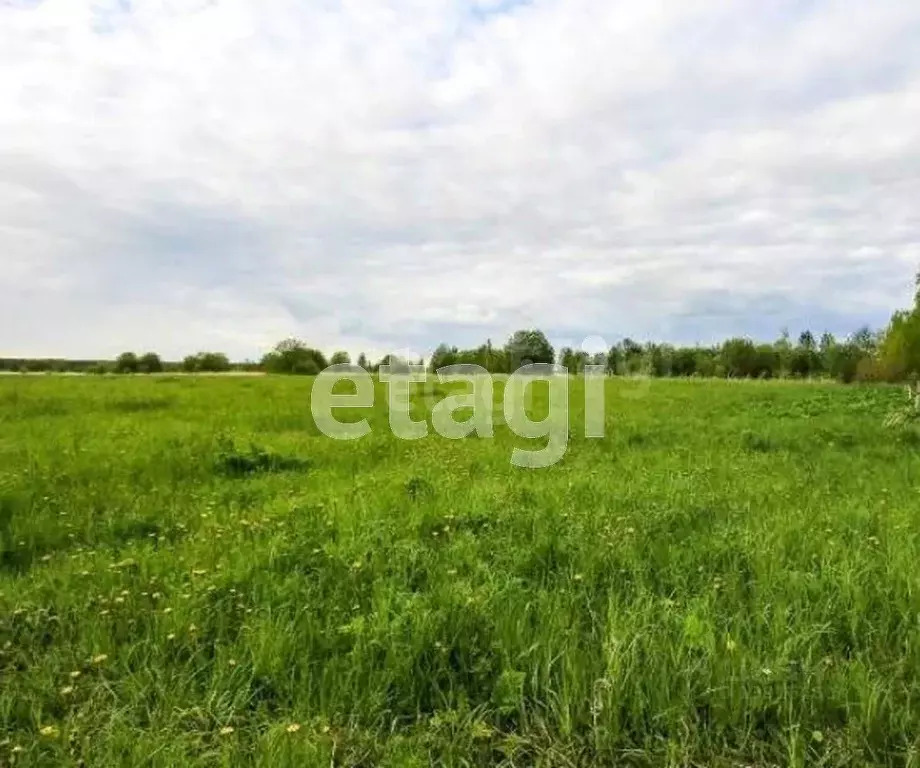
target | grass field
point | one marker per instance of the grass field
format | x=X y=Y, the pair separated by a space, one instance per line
x=731 y=577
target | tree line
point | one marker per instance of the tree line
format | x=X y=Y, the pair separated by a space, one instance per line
x=892 y=354
x=128 y=362
x=846 y=360
x=864 y=356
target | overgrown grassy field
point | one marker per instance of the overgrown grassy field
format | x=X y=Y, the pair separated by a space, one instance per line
x=730 y=577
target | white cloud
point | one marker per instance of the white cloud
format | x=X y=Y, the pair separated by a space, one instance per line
x=179 y=175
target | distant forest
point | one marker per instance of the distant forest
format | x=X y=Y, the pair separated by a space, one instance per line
x=891 y=354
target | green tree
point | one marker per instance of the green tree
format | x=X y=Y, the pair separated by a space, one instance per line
x=708 y=363
x=865 y=340
x=683 y=362
x=899 y=351
x=805 y=360
x=126 y=362
x=150 y=362
x=292 y=356
x=826 y=350
x=766 y=362
x=442 y=357
x=207 y=362
x=340 y=358
x=362 y=361
x=739 y=358
x=633 y=356
x=614 y=360
x=844 y=361
x=567 y=359
x=660 y=359
x=394 y=363
x=784 y=352
x=528 y=346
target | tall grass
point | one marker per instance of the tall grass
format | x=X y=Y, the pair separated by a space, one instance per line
x=199 y=577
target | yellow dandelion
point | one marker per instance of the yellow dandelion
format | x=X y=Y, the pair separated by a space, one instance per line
x=119 y=600
x=67 y=690
x=18 y=750
x=232 y=662
x=171 y=636
x=100 y=659
x=226 y=730
x=293 y=728
x=167 y=610
x=49 y=731
x=75 y=674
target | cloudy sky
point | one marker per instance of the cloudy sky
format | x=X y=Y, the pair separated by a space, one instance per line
x=383 y=175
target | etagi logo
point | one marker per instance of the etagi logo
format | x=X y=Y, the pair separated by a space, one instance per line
x=479 y=398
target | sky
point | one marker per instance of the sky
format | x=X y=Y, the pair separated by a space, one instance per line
x=186 y=175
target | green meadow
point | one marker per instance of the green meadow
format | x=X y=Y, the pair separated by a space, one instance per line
x=192 y=574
